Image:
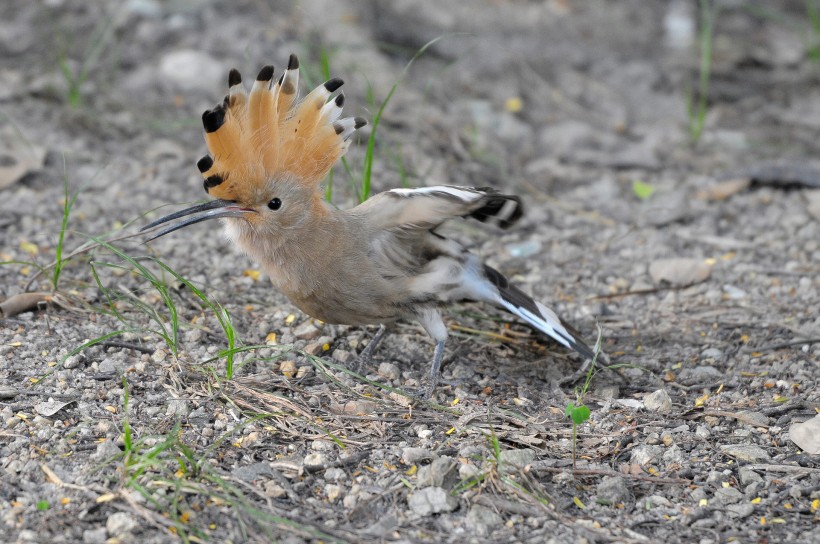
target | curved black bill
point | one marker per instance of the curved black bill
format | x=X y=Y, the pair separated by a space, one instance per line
x=214 y=209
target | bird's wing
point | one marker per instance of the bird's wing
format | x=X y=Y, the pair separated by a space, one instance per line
x=428 y=207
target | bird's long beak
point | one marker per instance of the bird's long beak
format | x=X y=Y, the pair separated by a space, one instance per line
x=214 y=209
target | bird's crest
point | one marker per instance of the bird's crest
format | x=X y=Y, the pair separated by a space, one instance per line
x=270 y=134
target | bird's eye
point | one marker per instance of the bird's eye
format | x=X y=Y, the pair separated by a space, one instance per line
x=275 y=204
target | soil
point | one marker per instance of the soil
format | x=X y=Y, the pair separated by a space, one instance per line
x=698 y=258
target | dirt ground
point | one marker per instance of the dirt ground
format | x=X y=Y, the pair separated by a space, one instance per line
x=699 y=260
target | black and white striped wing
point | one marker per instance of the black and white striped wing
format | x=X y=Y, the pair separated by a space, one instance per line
x=428 y=207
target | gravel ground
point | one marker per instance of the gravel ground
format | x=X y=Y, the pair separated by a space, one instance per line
x=700 y=262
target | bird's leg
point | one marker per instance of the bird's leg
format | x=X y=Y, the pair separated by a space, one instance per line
x=435 y=369
x=367 y=352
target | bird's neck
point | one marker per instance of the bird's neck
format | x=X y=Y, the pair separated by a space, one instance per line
x=289 y=256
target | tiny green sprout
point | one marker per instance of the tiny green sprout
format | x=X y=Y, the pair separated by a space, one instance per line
x=642 y=189
x=578 y=414
x=43 y=505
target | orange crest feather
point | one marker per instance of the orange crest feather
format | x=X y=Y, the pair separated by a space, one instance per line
x=270 y=134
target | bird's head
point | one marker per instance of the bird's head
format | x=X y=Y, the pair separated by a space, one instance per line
x=269 y=152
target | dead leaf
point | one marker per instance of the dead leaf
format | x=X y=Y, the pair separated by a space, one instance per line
x=50 y=407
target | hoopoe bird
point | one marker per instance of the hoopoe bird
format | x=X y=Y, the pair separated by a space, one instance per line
x=376 y=263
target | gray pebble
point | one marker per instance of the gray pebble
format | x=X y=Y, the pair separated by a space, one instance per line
x=658 y=401
x=711 y=353
x=756 y=418
x=343 y=356
x=728 y=495
x=514 y=460
x=178 y=407
x=411 y=456
x=335 y=474
x=307 y=331
x=482 y=520
x=614 y=490
x=740 y=510
x=431 y=500
x=120 y=523
x=699 y=375
x=437 y=472
x=95 y=536
x=745 y=452
x=315 y=461
x=389 y=371
x=644 y=455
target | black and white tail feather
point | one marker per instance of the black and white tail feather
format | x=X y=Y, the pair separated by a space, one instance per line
x=536 y=314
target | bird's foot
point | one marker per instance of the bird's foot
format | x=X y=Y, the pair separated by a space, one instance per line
x=366 y=355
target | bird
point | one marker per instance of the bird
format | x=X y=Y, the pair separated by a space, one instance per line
x=373 y=264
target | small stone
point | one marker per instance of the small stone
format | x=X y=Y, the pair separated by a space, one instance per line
x=755 y=419
x=106 y=451
x=607 y=391
x=699 y=375
x=95 y=536
x=658 y=401
x=360 y=407
x=807 y=435
x=679 y=272
x=436 y=472
x=74 y=361
x=745 y=452
x=307 y=331
x=177 y=407
x=254 y=471
x=274 y=490
x=715 y=478
x=515 y=460
x=315 y=461
x=614 y=490
x=749 y=476
x=698 y=494
x=467 y=471
x=384 y=525
x=120 y=523
x=740 y=510
x=335 y=474
x=703 y=432
x=655 y=501
x=728 y=495
x=673 y=456
x=644 y=455
x=711 y=353
x=431 y=500
x=344 y=357
x=159 y=355
x=322 y=445
x=482 y=520
x=411 y=456
x=389 y=371
x=333 y=492
x=314 y=348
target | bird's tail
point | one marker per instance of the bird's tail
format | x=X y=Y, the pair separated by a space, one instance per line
x=536 y=314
